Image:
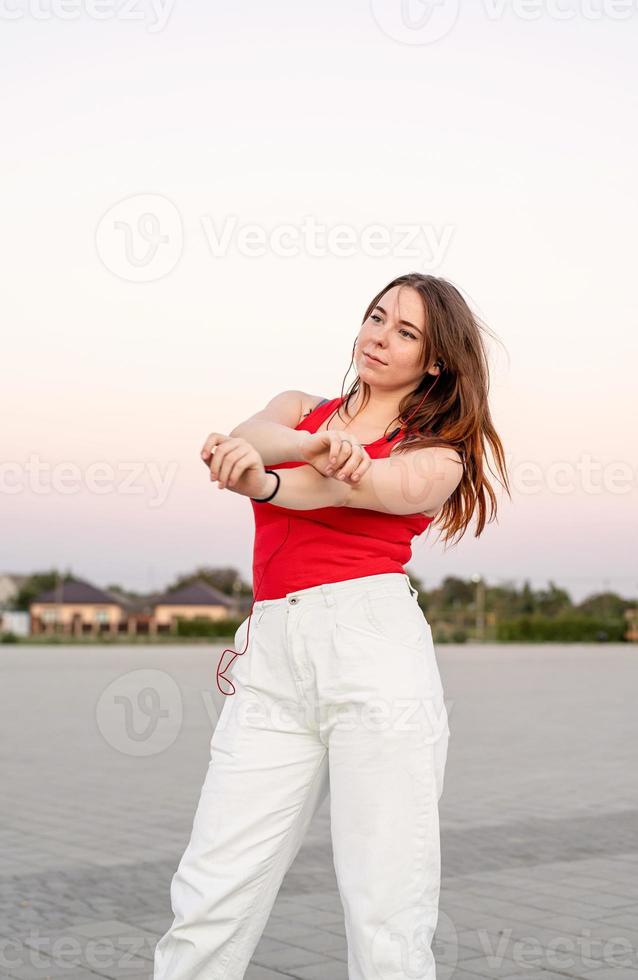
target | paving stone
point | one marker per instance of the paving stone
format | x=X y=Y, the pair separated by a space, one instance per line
x=291 y=958
x=255 y=972
x=539 y=817
x=323 y=971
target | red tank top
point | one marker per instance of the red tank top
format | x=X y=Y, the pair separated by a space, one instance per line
x=296 y=549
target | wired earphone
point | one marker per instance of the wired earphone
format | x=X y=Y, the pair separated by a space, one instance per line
x=263 y=500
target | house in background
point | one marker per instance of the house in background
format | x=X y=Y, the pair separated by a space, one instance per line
x=137 y=613
x=77 y=608
x=198 y=600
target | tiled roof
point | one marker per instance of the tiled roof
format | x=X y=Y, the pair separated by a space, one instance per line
x=198 y=593
x=76 y=590
x=135 y=604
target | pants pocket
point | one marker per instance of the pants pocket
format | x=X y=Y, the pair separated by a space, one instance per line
x=241 y=663
x=397 y=617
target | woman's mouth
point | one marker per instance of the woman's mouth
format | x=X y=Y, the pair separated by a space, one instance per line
x=373 y=360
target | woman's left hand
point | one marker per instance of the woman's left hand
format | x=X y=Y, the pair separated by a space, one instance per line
x=336 y=453
x=236 y=465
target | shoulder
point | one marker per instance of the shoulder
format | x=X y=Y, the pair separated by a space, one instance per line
x=287 y=408
x=308 y=403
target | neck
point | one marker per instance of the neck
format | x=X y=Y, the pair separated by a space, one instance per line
x=382 y=407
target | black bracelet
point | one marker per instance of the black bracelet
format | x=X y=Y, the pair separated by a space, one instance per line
x=263 y=500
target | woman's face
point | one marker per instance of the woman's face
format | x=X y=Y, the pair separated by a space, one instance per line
x=394 y=332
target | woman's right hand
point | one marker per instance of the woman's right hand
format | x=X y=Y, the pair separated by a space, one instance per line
x=335 y=453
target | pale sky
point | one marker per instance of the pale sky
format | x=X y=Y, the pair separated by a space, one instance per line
x=505 y=143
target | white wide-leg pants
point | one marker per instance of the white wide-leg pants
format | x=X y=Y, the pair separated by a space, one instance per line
x=339 y=690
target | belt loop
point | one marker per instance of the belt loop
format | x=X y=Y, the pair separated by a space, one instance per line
x=328 y=596
x=413 y=591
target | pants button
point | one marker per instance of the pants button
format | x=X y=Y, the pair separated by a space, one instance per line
x=293 y=600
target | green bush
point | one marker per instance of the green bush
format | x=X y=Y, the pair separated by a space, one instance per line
x=200 y=626
x=455 y=635
x=458 y=636
x=568 y=628
x=9 y=637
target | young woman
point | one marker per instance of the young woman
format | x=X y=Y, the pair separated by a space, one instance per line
x=338 y=686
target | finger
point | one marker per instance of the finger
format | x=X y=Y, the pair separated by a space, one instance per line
x=213 y=464
x=241 y=466
x=350 y=465
x=361 y=469
x=226 y=460
x=212 y=440
x=237 y=471
x=335 y=445
x=223 y=450
x=345 y=452
x=235 y=463
x=219 y=454
x=213 y=446
x=356 y=465
x=333 y=450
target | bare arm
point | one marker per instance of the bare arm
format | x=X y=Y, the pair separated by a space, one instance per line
x=272 y=431
x=274 y=442
x=302 y=488
x=411 y=483
x=418 y=481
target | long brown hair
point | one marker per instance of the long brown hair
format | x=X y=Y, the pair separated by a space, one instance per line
x=456 y=414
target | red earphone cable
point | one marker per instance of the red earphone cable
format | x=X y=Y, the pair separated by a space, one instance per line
x=221 y=673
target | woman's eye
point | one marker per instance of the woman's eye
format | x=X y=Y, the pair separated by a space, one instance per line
x=376 y=317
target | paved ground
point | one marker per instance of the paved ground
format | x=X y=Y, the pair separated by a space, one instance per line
x=539 y=816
